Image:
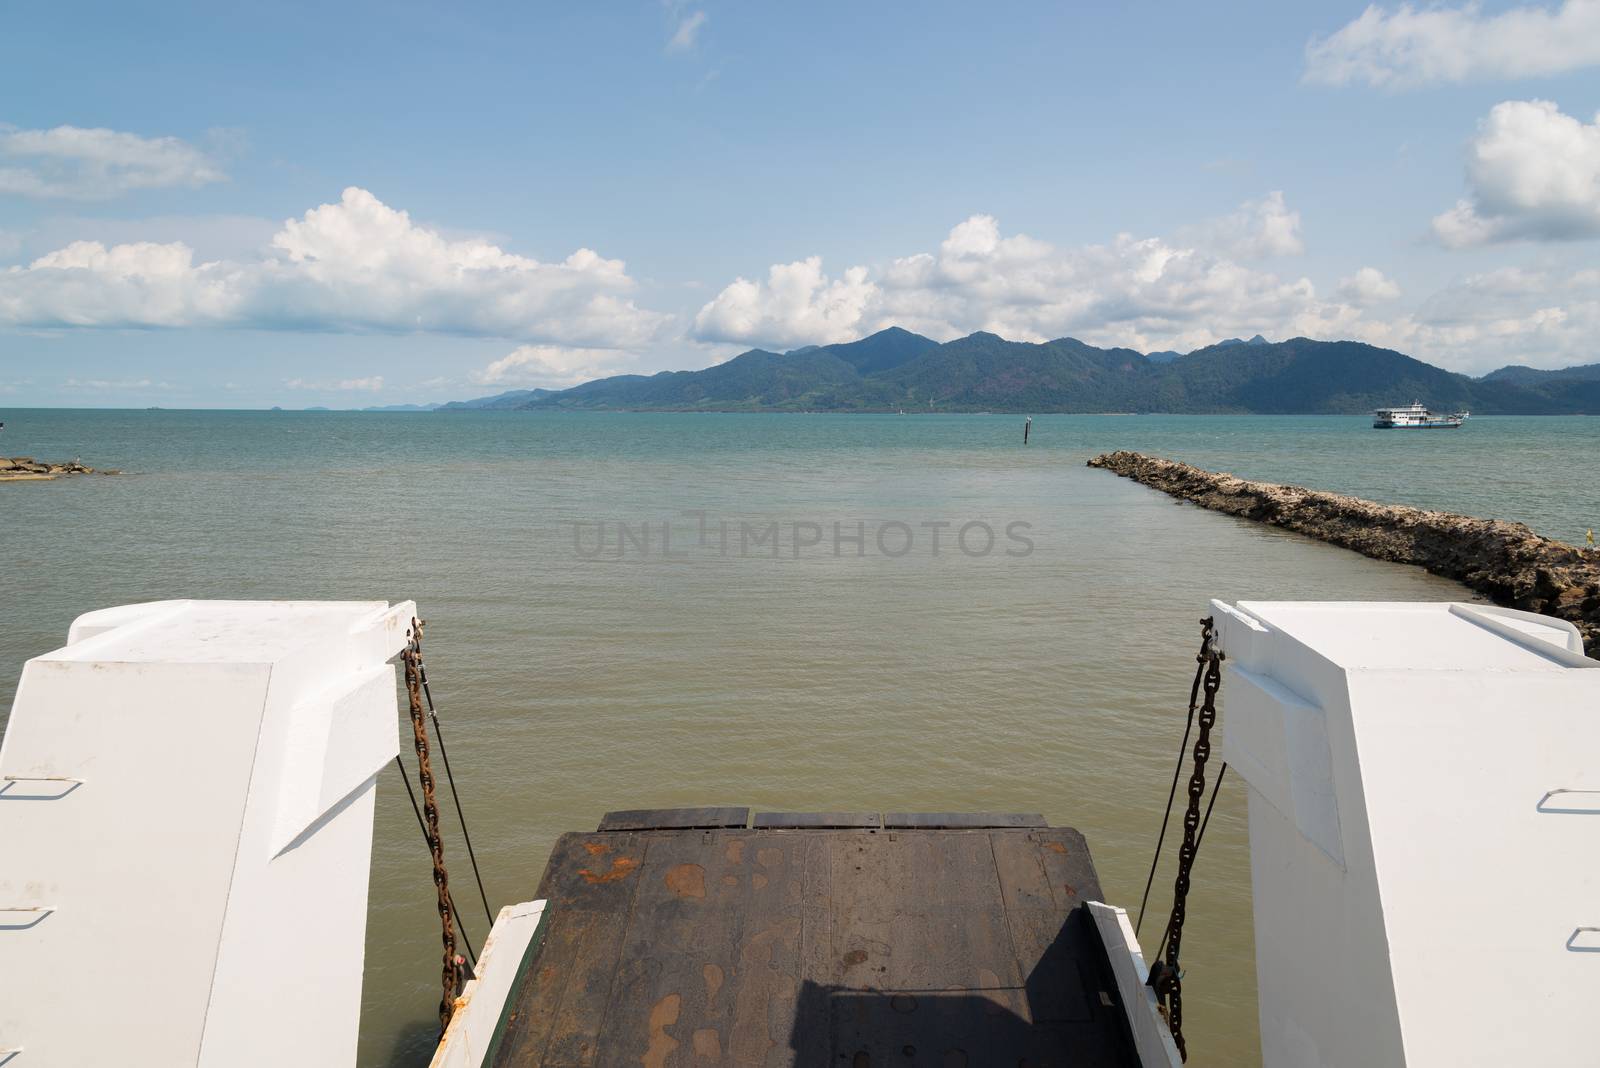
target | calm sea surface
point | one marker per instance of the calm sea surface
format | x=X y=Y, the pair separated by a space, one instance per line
x=884 y=676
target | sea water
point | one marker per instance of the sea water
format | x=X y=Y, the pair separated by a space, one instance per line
x=633 y=610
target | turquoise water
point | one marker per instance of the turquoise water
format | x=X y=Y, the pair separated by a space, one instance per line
x=862 y=677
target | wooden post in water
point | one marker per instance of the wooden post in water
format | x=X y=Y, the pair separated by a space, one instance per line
x=1027 y=424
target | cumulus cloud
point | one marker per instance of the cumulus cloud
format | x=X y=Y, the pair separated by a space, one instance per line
x=1150 y=294
x=1532 y=173
x=796 y=305
x=70 y=162
x=688 y=31
x=1412 y=46
x=551 y=366
x=357 y=265
x=1368 y=286
x=1144 y=292
x=1542 y=317
x=1259 y=229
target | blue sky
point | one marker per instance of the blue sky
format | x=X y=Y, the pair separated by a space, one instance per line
x=219 y=205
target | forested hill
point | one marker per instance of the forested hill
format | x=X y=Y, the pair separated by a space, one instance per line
x=897 y=370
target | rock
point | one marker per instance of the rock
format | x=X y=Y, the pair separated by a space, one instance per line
x=1506 y=562
x=26 y=468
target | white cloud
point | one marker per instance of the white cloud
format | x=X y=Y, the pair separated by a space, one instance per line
x=1150 y=294
x=1542 y=317
x=1143 y=292
x=370 y=384
x=1412 y=46
x=1532 y=173
x=69 y=162
x=551 y=366
x=688 y=31
x=1368 y=286
x=357 y=265
x=796 y=305
x=212 y=237
x=138 y=284
x=104 y=383
x=1257 y=230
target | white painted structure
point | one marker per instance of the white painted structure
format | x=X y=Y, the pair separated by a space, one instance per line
x=1424 y=805
x=186 y=812
x=1152 y=1039
x=501 y=964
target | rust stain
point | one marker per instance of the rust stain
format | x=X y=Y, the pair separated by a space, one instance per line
x=686 y=880
x=758 y=880
x=764 y=997
x=735 y=851
x=707 y=1043
x=854 y=957
x=594 y=849
x=903 y=1003
x=620 y=869
x=1056 y=847
x=713 y=976
x=662 y=1016
x=730 y=880
x=769 y=858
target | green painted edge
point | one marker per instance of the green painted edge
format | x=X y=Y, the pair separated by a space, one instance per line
x=517 y=982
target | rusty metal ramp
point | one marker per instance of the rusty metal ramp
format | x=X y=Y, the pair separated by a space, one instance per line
x=703 y=937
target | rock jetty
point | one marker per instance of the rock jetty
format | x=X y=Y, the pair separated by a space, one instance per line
x=1506 y=562
x=27 y=469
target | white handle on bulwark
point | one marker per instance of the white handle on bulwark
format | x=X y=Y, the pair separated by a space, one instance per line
x=1584 y=940
x=36 y=912
x=1571 y=802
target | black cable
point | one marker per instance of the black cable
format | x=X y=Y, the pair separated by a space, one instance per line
x=466 y=939
x=1166 y=817
x=1200 y=837
x=451 y=779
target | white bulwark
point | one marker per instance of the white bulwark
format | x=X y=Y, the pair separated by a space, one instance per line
x=186 y=811
x=1424 y=800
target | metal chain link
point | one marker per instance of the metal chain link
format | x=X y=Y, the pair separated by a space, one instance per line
x=412 y=659
x=1168 y=978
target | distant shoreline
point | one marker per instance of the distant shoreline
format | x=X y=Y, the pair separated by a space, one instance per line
x=1362 y=414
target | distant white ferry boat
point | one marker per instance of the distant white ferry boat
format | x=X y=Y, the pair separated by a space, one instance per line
x=1414 y=415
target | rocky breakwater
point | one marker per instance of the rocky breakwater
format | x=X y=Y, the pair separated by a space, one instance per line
x=1506 y=562
x=27 y=469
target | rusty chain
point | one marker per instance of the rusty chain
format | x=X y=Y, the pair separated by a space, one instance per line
x=412 y=659
x=1166 y=977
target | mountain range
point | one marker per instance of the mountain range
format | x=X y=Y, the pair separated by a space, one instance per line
x=897 y=370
